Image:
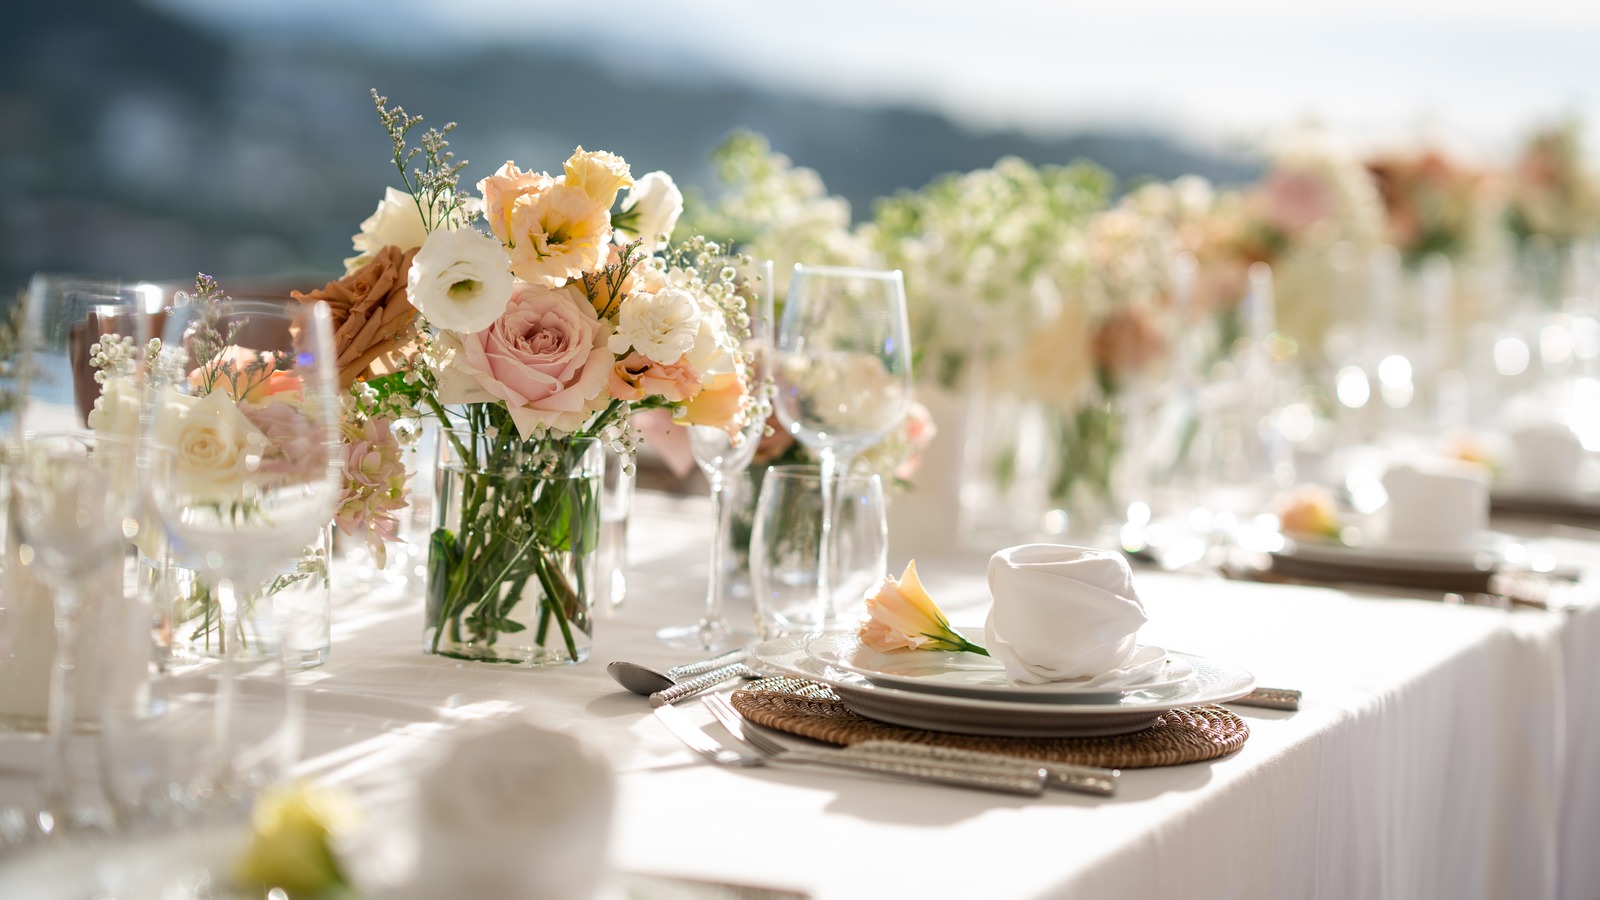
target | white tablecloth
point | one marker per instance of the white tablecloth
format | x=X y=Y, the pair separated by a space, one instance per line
x=1441 y=751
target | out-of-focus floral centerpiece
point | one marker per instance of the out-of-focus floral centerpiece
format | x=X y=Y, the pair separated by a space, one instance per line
x=532 y=340
x=242 y=420
x=982 y=253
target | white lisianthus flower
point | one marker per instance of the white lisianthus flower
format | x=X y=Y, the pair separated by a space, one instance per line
x=662 y=326
x=460 y=280
x=652 y=208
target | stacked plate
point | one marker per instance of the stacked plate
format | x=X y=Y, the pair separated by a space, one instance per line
x=969 y=694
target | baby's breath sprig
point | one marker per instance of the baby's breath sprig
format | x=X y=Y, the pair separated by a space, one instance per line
x=432 y=185
x=207 y=341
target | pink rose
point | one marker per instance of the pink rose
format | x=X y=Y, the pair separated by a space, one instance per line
x=635 y=377
x=1297 y=200
x=294 y=442
x=545 y=358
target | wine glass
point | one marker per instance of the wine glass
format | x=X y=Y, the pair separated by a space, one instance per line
x=70 y=496
x=67 y=513
x=242 y=463
x=842 y=372
x=721 y=456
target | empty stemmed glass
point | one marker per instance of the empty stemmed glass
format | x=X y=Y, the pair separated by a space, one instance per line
x=69 y=505
x=243 y=471
x=67 y=512
x=842 y=371
x=721 y=456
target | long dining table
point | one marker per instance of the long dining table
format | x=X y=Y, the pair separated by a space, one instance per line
x=1440 y=750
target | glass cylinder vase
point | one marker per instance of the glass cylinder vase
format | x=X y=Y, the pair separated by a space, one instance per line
x=513 y=562
x=293 y=609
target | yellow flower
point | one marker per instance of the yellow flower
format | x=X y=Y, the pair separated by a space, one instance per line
x=901 y=616
x=557 y=234
x=290 y=830
x=598 y=174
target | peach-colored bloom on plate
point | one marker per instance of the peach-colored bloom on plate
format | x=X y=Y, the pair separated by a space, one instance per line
x=502 y=190
x=1309 y=510
x=901 y=616
x=599 y=174
x=546 y=359
x=635 y=377
x=721 y=404
x=557 y=234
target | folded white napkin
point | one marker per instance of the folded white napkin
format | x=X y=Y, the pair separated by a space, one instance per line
x=514 y=812
x=1067 y=614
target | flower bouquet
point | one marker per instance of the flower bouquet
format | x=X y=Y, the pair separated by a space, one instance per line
x=532 y=342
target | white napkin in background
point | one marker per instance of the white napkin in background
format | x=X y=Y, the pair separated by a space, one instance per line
x=1067 y=614
x=514 y=812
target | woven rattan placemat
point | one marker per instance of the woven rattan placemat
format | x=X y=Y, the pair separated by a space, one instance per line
x=813 y=710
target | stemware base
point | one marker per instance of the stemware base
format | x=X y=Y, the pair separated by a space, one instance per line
x=711 y=637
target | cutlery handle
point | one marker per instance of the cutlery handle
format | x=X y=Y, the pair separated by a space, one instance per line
x=1060 y=776
x=685 y=689
x=1017 y=782
x=1271 y=698
x=689 y=670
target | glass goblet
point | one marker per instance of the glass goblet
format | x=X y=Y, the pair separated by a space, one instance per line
x=842 y=372
x=243 y=468
x=723 y=456
x=67 y=511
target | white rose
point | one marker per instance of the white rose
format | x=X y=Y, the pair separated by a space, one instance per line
x=214 y=447
x=663 y=326
x=398 y=221
x=460 y=280
x=656 y=203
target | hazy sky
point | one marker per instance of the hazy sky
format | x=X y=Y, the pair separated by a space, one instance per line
x=1213 y=70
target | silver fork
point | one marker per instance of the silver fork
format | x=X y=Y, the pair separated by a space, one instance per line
x=1061 y=776
x=904 y=770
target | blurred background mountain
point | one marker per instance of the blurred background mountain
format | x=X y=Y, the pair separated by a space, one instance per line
x=144 y=142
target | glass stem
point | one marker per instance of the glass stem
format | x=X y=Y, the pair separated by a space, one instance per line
x=222 y=742
x=832 y=467
x=712 y=626
x=56 y=790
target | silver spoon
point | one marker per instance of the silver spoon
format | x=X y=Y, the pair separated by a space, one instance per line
x=661 y=689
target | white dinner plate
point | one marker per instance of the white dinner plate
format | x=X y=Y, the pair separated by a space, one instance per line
x=972 y=674
x=1314 y=550
x=1211 y=682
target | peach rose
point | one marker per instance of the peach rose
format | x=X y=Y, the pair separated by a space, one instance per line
x=636 y=377
x=372 y=316
x=545 y=358
x=245 y=375
x=1127 y=342
x=720 y=405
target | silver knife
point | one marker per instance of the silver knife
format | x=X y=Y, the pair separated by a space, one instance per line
x=907 y=770
x=1060 y=776
x=1270 y=698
